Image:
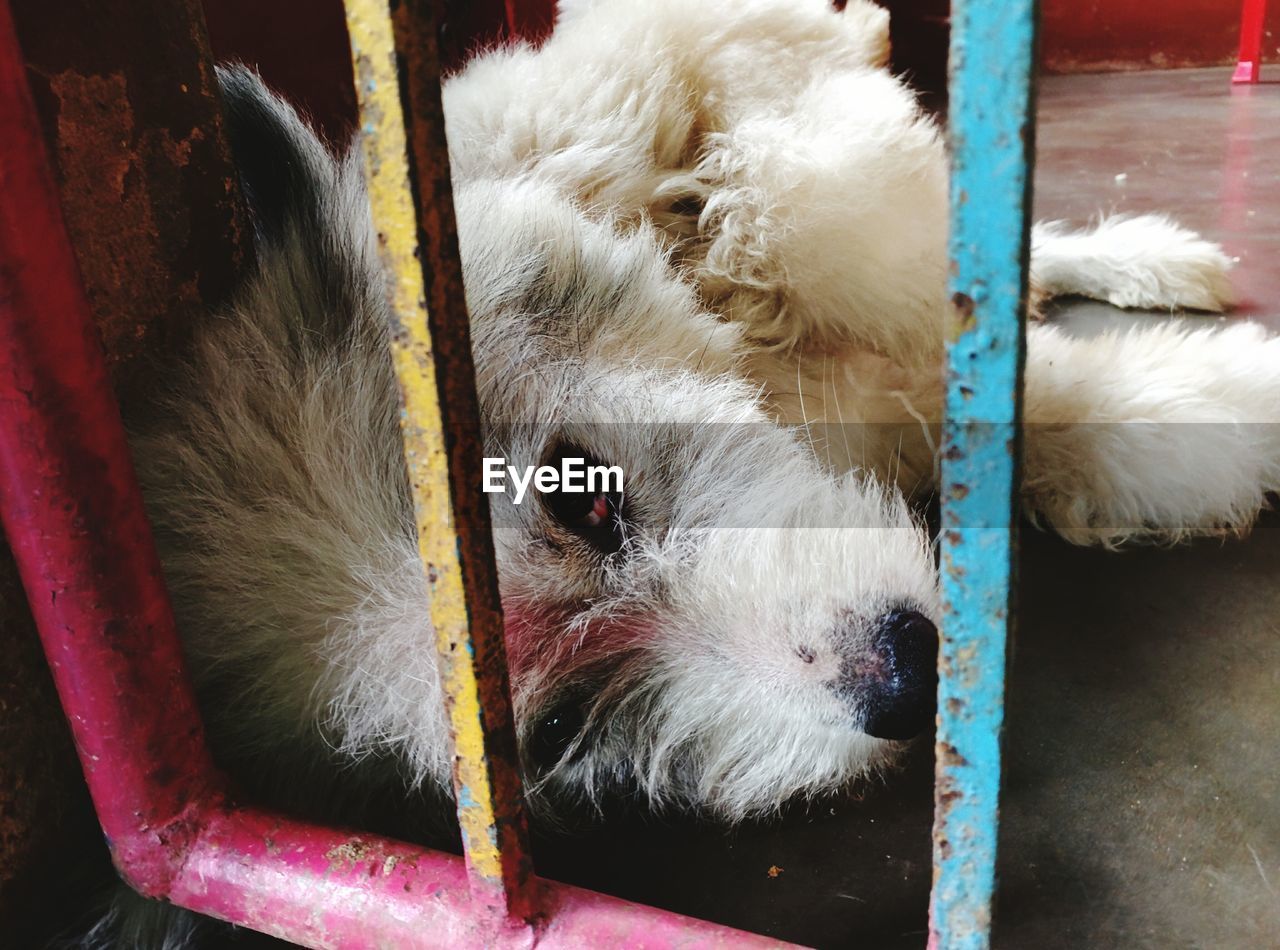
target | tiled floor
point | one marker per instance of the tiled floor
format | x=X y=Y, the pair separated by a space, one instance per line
x=1142 y=788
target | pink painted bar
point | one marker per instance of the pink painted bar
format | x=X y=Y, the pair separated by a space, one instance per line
x=326 y=889
x=74 y=518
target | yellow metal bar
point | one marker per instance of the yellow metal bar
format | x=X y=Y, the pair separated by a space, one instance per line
x=406 y=166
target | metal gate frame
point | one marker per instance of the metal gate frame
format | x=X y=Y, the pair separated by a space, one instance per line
x=74 y=517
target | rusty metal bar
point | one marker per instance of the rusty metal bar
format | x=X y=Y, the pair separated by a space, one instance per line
x=131 y=116
x=127 y=103
x=991 y=128
x=398 y=87
x=74 y=516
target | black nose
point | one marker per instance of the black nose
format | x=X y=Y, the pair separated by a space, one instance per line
x=900 y=685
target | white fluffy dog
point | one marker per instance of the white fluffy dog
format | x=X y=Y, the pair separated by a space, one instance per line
x=703 y=241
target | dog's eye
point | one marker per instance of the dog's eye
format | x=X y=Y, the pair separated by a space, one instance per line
x=595 y=517
x=555 y=733
x=688 y=205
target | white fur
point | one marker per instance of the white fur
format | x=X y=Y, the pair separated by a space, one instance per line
x=1143 y=261
x=707 y=242
x=1157 y=434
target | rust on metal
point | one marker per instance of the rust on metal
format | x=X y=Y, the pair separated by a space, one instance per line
x=75 y=521
x=72 y=509
x=129 y=105
x=128 y=114
x=398 y=87
x=991 y=128
x=962 y=307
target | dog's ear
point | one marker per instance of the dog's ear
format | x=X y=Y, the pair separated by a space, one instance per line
x=284 y=168
x=316 y=256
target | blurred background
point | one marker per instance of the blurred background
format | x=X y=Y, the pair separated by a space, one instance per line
x=300 y=45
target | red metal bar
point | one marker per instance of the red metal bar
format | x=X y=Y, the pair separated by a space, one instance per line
x=75 y=520
x=1249 y=67
x=74 y=517
x=325 y=889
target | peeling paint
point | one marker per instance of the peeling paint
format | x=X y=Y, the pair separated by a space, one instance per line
x=348 y=854
x=406 y=163
x=962 y=315
x=148 y=193
x=991 y=131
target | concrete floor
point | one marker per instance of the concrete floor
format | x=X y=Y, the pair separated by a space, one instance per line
x=1142 y=785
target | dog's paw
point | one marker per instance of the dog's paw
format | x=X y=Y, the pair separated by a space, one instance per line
x=1172 y=268
x=1141 y=262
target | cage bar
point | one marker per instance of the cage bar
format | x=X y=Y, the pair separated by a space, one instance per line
x=130 y=108
x=991 y=130
x=74 y=517
x=397 y=75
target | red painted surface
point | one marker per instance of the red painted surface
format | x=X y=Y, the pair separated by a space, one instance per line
x=301 y=44
x=1091 y=35
x=75 y=520
x=321 y=888
x=1097 y=35
x=302 y=50
x=1252 y=27
x=531 y=19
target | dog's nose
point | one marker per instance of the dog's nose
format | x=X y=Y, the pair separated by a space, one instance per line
x=899 y=689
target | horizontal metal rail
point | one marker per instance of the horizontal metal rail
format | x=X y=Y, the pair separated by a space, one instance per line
x=991 y=127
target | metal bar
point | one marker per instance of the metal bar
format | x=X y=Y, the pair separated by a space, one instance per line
x=1249 y=64
x=991 y=132
x=322 y=888
x=127 y=100
x=73 y=515
x=75 y=520
x=131 y=114
x=398 y=88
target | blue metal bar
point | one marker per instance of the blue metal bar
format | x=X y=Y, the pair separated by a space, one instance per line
x=991 y=132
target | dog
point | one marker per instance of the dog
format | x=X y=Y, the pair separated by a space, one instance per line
x=704 y=243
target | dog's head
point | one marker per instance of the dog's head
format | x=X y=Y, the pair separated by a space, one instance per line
x=732 y=624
